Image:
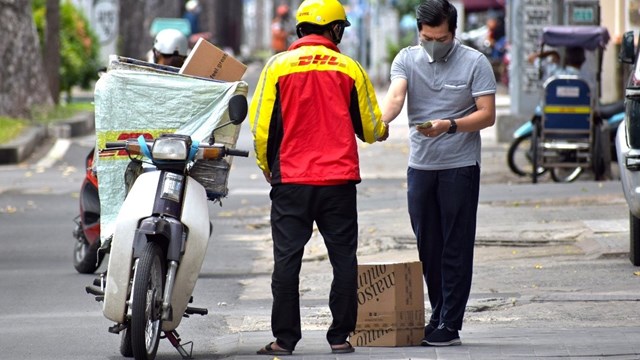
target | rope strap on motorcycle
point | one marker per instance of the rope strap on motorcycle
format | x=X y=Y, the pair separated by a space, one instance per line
x=194 y=149
x=144 y=147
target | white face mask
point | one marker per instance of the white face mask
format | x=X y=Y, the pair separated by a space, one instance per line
x=436 y=49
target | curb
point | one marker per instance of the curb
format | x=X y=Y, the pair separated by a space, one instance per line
x=23 y=146
x=20 y=148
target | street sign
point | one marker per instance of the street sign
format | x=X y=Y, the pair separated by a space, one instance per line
x=582 y=12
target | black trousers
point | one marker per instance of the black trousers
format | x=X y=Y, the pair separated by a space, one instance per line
x=443 y=207
x=294 y=208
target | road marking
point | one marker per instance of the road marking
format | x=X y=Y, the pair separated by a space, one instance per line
x=51 y=315
x=55 y=154
x=249 y=191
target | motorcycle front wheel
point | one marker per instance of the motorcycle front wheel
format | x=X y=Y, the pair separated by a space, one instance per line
x=146 y=307
x=519 y=157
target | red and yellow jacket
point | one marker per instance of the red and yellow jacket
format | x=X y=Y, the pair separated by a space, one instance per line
x=309 y=105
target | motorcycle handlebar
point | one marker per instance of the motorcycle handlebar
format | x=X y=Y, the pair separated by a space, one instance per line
x=237 y=152
x=225 y=151
x=114 y=144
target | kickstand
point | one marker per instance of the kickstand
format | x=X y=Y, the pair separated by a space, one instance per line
x=174 y=338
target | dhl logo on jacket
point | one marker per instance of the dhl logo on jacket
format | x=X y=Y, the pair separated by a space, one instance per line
x=309 y=103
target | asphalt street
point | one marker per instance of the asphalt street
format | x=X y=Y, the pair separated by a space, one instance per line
x=551 y=280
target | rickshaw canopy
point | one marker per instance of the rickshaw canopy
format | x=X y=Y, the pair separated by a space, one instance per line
x=588 y=37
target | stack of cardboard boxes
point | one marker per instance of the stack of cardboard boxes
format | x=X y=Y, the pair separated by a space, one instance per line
x=390 y=305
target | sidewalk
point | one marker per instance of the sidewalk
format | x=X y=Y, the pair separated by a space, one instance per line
x=518 y=222
x=546 y=220
x=479 y=342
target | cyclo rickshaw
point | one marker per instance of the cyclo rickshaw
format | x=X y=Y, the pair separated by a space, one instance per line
x=568 y=136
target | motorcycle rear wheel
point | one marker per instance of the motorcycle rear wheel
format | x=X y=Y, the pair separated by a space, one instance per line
x=146 y=307
x=519 y=157
x=86 y=259
x=125 y=343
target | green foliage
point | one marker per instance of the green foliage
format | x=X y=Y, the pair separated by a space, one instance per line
x=404 y=7
x=60 y=112
x=10 y=128
x=407 y=6
x=79 y=46
x=407 y=39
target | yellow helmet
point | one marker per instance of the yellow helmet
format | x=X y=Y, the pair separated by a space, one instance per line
x=321 y=12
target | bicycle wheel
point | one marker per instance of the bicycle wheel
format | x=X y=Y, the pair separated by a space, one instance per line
x=519 y=157
x=565 y=175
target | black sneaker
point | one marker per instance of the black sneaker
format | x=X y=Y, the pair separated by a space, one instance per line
x=427 y=331
x=442 y=336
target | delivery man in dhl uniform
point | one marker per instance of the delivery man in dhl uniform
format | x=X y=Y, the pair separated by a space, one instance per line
x=310 y=104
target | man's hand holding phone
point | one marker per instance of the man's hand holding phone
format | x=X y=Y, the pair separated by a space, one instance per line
x=425 y=125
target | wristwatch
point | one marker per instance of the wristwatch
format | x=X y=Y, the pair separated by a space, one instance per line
x=453 y=127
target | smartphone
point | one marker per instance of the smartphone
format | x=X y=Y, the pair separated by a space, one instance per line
x=424 y=125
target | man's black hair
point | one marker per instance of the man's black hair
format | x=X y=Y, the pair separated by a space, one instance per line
x=304 y=29
x=574 y=56
x=435 y=12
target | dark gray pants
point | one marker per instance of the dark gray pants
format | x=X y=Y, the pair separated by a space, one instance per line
x=294 y=208
x=443 y=206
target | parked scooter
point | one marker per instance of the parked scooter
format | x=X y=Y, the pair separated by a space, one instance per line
x=161 y=236
x=520 y=152
x=86 y=257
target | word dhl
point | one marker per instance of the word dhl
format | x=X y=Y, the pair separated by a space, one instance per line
x=319 y=59
x=373 y=282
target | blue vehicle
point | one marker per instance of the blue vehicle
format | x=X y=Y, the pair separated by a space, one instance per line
x=520 y=151
x=567 y=150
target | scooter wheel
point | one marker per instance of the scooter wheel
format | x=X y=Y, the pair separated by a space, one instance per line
x=86 y=258
x=146 y=306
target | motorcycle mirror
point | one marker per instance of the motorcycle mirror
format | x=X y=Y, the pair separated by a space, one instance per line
x=237 y=112
x=627 y=49
x=237 y=109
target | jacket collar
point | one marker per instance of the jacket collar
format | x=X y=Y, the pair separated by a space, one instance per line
x=314 y=40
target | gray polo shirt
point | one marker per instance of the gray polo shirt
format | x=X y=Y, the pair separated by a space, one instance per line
x=442 y=90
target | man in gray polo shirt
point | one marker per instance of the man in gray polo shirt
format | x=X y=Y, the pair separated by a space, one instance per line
x=450 y=92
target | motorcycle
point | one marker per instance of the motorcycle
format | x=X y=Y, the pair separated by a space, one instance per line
x=86 y=255
x=161 y=236
x=520 y=152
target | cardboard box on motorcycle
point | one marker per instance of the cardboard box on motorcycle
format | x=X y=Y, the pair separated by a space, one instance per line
x=136 y=98
x=208 y=61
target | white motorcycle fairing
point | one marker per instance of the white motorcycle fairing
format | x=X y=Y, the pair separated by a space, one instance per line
x=139 y=205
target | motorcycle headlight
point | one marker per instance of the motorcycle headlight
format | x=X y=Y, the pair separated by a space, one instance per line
x=170 y=149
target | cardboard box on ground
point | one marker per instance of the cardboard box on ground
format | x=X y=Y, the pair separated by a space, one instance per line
x=390 y=305
x=208 y=61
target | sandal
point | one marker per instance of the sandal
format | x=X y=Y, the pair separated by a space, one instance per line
x=342 y=348
x=269 y=350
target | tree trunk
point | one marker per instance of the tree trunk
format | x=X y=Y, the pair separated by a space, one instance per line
x=136 y=17
x=21 y=68
x=226 y=24
x=52 y=49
